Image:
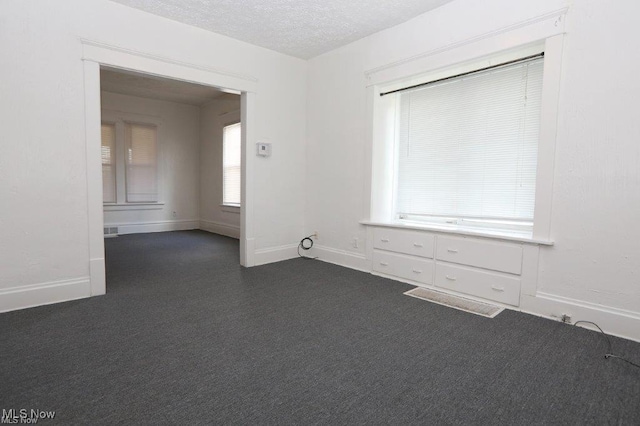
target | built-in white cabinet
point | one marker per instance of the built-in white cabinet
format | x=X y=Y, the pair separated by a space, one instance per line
x=468 y=265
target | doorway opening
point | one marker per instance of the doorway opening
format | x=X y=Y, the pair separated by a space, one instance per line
x=142 y=176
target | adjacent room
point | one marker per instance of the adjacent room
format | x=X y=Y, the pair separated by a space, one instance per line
x=170 y=155
x=219 y=212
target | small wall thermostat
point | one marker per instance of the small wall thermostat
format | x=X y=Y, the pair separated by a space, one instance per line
x=264 y=149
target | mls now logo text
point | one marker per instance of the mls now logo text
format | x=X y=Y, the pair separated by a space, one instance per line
x=24 y=416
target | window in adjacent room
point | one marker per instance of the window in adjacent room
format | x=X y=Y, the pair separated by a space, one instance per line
x=129 y=164
x=141 y=163
x=108 y=163
x=231 y=143
x=466 y=148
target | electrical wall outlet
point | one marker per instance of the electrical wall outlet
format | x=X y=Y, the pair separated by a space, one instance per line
x=315 y=234
x=354 y=243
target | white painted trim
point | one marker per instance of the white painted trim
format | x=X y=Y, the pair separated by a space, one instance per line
x=469 y=232
x=134 y=60
x=341 y=257
x=132 y=206
x=92 y=110
x=232 y=231
x=47 y=293
x=276 y=254
x=157 y=226
x=249 y=137
x=230 y=209
x=98 y=273
x=488 y=43
x=617 y=322
x=547 y=138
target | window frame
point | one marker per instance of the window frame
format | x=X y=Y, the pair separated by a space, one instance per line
x=114 y=162
x=447 y=63
x=126 y=146
x=225 y=206
x=497 y=224
x=120 y=119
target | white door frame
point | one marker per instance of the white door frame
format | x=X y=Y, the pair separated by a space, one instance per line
x=96 y=54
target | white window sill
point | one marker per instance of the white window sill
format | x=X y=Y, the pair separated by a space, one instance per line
x=230 y=208
x=449 y=229
x=132 y=206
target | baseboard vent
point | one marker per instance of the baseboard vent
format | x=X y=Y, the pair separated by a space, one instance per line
x=460 y=303
x=110 y=231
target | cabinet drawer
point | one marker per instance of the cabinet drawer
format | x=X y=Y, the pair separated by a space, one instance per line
x=498 y=256
x=411 y=268
x=415 y=243
x=479 y=283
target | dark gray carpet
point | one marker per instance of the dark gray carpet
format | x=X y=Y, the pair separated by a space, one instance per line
x=186 y=336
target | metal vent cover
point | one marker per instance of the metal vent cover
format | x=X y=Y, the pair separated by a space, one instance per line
x=460 y=303
x=111 y=230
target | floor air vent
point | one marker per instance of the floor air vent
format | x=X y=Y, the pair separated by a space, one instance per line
x=478 y=308
x=110 y=231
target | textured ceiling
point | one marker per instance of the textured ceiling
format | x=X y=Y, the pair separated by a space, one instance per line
x=129 y=83
x=301 y=28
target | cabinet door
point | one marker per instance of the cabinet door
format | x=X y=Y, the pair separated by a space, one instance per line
x=498 y=256
x=408 y=267
x=488 y=285
x=415 y=243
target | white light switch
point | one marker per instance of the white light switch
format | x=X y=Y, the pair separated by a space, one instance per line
x=264 y=149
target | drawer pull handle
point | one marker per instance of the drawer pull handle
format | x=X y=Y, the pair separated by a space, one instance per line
x=417 y=245
x=450 y=278
x=384 y=240
x=384 y=263
x=417 y=271
x=493 y=287
x=450 y=250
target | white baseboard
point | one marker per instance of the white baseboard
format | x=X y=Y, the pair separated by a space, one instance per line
x=158 y=226
x=232 y=231
x=275 y=254
x=28 y=296
x=341 y=258
x=617 y=322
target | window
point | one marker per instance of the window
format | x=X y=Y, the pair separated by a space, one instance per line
x=466 y=148
x=231 y=143
x=141 y=161
x=129 y=164
x=108 y=150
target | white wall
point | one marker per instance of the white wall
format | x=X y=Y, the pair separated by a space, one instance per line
x=595 y=259
x=44 y=238
x=596 y=202
x=178 y=166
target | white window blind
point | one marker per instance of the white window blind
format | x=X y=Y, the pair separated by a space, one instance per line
x=231 y=164
x=467 y=147
x=108 y=163
x=141 y=161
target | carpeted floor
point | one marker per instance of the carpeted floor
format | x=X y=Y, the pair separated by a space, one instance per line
x=187 y=336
